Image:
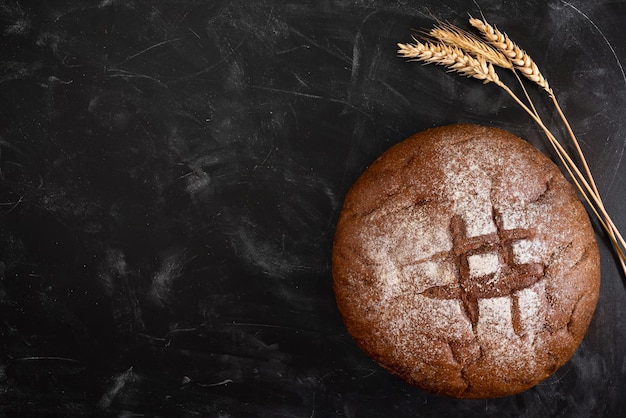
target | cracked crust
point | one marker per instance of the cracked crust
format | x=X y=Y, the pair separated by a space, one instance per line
x=464 y=263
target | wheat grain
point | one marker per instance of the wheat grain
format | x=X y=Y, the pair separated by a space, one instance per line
x=517 y=56
x=451 y=57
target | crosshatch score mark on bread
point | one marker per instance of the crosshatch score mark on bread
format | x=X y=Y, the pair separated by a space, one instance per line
x=486 y=268
x=464 y=263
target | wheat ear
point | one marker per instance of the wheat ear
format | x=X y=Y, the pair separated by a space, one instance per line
x=454 y=36
x=453 y=58
x=518 y=57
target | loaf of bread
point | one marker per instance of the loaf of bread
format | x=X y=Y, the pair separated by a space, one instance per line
x=464 y=263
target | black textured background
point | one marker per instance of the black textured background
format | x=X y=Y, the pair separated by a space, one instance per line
x=171 y=172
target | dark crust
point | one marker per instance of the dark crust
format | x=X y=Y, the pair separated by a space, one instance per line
x=408 y=176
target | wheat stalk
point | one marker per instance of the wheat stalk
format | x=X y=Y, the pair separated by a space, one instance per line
x=462 y=52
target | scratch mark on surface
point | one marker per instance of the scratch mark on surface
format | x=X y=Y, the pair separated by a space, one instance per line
x=264 y=160
x=356 y=51
x=47 y=358
x=307 y=95
x=396 y=92
x=295 y=48
x=54 y=79
x=301 y=81
x=149 y=49
x=208 y=69
x=356 y=54
x=192 y=31
x=172 y=334
x=187 y=381
x=223 y=382
x=12 y=204
x=617 y=167
x=118 y=384
x=127 y=74
x=342 y=57
x=619 y=64
x=258 y=325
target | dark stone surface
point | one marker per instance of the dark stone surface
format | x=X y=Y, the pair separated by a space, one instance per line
x=170 y=176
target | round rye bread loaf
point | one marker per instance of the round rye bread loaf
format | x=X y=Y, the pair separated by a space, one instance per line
x=464 y=263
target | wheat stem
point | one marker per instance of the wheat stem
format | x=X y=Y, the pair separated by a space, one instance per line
x=576 y=144
x=612 y=230
x=591 y=197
